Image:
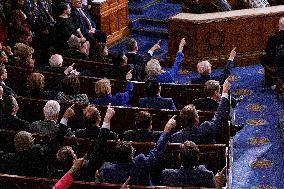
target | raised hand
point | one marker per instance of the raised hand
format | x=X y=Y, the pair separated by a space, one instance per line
x=109 y=113
x=171 y=124
x=226 y=86
x=69 y=112
x=125 y=184
x=233 y=54
x=128 y=76
x=69 y=69
x=181 y=44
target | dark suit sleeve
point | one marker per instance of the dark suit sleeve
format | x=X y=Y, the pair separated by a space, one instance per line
x=158 y=152
x=226 y=72
x=220 y=117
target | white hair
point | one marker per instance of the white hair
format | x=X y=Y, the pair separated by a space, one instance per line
x=51 y=108
x=203 y=67
x=56 y=60
x=153 y=67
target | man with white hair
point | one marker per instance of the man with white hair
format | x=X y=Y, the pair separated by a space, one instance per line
x=49 y=125
x=30 y=159
x=77 y=48
x=204 y=69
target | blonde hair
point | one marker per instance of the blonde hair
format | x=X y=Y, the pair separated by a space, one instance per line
x=35 y=82
x=103 y=87
x=23 y=51
x=153 y=67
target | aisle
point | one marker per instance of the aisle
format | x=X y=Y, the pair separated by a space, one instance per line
x=257 y=150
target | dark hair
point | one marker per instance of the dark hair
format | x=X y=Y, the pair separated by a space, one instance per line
x=152 y=87
x=123 y=152
x=61 y=8
x=70 y=85
x=188 y=115
x=94 y=117
x=189 y=153
x=211 y=86
x=130 y=44
x=2 y=69
x=117 y=59
x=143 y=120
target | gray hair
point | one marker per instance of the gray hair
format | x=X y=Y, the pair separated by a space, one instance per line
x=51 y=108
x=56 y=60
x=203 y=67
x=74 y=42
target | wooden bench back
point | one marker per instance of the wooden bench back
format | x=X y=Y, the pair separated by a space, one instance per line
x=182 y=94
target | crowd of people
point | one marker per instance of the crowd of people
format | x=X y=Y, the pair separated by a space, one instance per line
x=40 y=34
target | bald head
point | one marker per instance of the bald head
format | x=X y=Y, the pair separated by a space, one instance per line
x=281 y=23
x=204 y=67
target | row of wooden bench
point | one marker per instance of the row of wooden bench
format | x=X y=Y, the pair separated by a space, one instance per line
x=213 y=156
x=182 y=94
x=123 y=120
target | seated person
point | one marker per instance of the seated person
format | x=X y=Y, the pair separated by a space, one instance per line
x=70 y=87
x=100 y=53
x=103 y=91
x=30 y=159
x=204 y=69
x=49 y=126
x=24 y=56
x=154 y=70
x=153 y=99
x=139 y=61
x=139 y=167
x=77 y=48
x=211 y=103
x=86 y=24
x=55 y=64
x=120 y=61
x=190 y=173
x=3 y=76
x=10 y=118
x=35 y=87
x=91 y=122
x=144 y=132
x=207 y=132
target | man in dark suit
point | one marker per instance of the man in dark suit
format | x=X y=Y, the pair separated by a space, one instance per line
x=10 y=118
x=30 y=159
x=190 y=173
x=207 y=132
x=137 y=60
x=139 y=167
x=144 y=133
x=87 y=25
x=153 y=98
x=49 y=126
x=204 y=69
x=91 y=122
x=3 y=77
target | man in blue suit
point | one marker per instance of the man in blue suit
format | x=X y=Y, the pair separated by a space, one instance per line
x=204 y=68
x=153 y=98
x=207 y=132
x=190 y=173
x=139 y=167
x=87 y=25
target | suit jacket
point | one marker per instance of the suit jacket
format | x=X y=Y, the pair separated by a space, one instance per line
x=274 y=41
x=198 y=176
x=119 y=99
x=33 y=162
x=93 y=133
x=139 y=168
x=14 y=123
x=6 y=89
x=207 y=132
x=73 y=53
x=139 y=63
x=142 y=135
x=206 y=104
x=170 y=75
x=157 y=102
x=80 y=21
x=221 y=77
x=47 y=127
x=279 y=61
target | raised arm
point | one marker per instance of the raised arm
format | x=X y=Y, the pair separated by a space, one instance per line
x=228 y=68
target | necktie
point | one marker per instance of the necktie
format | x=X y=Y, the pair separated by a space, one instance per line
x=86 y=19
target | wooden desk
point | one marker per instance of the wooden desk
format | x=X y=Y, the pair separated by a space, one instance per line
x=211 y=36
x=111 y=17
